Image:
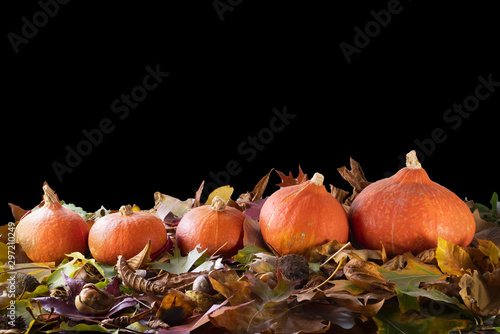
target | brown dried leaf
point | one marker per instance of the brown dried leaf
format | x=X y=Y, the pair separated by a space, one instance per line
x=258 y=190
x=170 y=309
x=338 y=193
x=365 y=275
x=17 y=212
x=356 y=179
x=197 y=196
x=136 y=282
x=290 y=180
x=229 y=285
x=141 y=259
x=176 y=281
x=252 y=234
x=481 y=293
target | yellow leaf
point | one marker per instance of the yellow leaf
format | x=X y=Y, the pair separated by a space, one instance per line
x=488 y=248
x=453 y=259
x=224 y=192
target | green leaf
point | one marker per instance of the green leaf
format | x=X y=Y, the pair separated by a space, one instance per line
x=409 y=278
x=391 y=321
x=494 y=204
x=179 y=264
x=65 y=327
x=247 y=253
x=415 y=272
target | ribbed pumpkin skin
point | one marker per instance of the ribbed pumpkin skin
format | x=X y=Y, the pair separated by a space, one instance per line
x=210 y=229
x=297 y=218
x=52 y=231
x=116 y=234
x=407 y=212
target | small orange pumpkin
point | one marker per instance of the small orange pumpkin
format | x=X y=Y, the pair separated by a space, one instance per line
x=125 y=233
x=51 y=232
x=214 y=227
x=297 y=218
x=407 y=212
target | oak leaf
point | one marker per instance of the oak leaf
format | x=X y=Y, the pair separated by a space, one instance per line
x=290 y=180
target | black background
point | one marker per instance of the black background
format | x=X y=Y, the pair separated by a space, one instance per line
x=226 y=77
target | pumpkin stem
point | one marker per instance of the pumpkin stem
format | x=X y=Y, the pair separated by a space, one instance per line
x=126 y=210
x=49 y=196
x=318 y=179
x=218 y=204
x=412 y=160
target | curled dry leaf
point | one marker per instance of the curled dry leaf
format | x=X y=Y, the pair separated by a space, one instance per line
x=136 y=282
x=176 y=307
x=356 y=179
x=481 y=293
x=141 y=259
x=365 y=275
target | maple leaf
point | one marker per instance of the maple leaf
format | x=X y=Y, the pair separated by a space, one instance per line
x=290 y=180
x=179 y=264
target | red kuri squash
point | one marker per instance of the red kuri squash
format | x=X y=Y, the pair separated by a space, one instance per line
x=408 y=211
x=214 y=227
x=125 y=233
x=53 y=231
x=297 y=218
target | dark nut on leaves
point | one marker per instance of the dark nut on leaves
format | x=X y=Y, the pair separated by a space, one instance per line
x=94 y=301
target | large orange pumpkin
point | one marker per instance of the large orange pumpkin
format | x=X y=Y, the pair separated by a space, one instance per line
x=408 y=212
x=214 y=227
x=125 y=233
x=51 y=232
x=297 y=218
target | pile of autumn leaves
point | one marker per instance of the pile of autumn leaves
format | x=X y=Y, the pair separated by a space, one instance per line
x=348 y=289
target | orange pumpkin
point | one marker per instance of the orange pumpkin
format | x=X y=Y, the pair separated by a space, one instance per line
x=216 y=228
x=407 y=212
x=51 y=232
x=297 y=218
x=125 y=233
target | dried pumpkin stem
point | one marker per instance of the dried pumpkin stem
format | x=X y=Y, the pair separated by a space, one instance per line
x=318 y=179
x=218 y=204
x=126 y=210
x=412 y=160
x=49 y=195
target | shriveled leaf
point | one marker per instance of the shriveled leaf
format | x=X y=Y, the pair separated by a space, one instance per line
x=391 y=321
x=179 y=264
x=142 y=258
x=453 y=259
x=290 y=180
x=136 y=282
x=365 y=275
x=481 y=294
x=258 y=190
x=197 y=196
x=356 y=179
x=223 y=192
x=367 y=304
